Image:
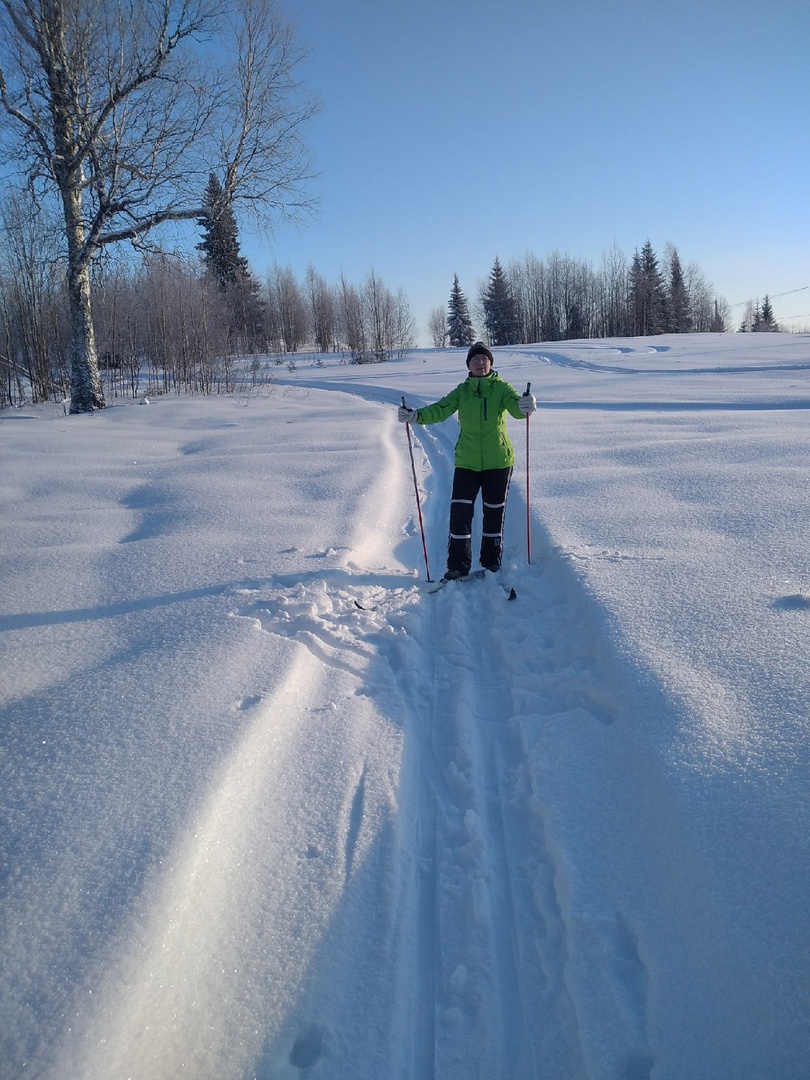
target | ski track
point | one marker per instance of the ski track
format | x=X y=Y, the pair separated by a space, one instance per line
x=481 y=950
x=503 y=1012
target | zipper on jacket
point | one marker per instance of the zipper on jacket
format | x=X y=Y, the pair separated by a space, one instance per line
x=485 y=406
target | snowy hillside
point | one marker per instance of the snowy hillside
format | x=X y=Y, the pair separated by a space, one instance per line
x=271 y=809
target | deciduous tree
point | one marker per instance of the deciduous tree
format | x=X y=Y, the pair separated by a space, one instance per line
x=322 y=310
x=437 y=327
x=116 y=112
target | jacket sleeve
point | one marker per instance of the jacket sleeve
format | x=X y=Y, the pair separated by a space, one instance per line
x=439 y=410
x=510 y=399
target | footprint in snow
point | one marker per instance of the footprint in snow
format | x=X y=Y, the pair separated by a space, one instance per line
x=307 y=1047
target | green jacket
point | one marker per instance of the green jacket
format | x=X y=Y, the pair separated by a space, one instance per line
x=480 y=403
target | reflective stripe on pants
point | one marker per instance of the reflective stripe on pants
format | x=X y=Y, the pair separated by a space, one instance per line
x=494 y=487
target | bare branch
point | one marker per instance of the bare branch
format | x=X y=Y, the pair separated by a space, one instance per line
x=265 y=163
x=122 y=109
x=145 y=224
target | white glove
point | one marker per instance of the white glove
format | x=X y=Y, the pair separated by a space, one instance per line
x=527 y=404
x=406 y=415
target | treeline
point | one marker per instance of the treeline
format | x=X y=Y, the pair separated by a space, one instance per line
x=180 y=323
x=759 y=318
x=561 y=298
x=167 y=324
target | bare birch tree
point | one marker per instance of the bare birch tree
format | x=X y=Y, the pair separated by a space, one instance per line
x=322 y=310
x=352 y=322
x=120 y=111
x=437 y=327
x=31 y=296
x=289 y=305
x=614 y=292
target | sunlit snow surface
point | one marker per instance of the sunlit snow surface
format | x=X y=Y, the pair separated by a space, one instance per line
x=272 y=810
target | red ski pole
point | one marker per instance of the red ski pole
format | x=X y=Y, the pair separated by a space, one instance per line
x=528 y=507
x=418 y=502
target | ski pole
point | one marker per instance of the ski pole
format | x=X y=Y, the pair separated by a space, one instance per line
x=418 y=502
x=528 y=507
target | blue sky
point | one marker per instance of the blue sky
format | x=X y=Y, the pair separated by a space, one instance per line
x=452 y=131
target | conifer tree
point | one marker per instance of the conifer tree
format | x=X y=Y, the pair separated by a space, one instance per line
x=648 y=299
x=220 y=242
x=459 y=323
x=765 y=322
x=499 y=307
x=225 y=264
x=679 y=317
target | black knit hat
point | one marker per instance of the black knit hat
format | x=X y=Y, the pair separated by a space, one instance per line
x=479 y=347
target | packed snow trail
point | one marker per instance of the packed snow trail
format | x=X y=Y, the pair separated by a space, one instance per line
x=483 y=916
x=474 y=934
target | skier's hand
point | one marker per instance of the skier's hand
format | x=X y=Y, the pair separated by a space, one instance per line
x=527 y=404
x=406 y=415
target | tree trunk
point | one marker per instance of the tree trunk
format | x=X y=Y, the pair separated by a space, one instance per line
x=86 y=393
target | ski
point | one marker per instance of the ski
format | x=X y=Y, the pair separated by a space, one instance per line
x=474 y=575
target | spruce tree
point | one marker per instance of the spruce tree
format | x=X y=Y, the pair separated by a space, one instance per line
x=499 y=307
x=225 y=264
x=679 y=319
x=220 y=242
x=766 y=322
x=647 y=293
x=459 y=323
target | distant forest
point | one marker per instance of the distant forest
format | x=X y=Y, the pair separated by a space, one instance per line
x=560 y=298
x=179 y=322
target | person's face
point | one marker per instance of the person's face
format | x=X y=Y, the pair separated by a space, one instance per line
x=480 y=365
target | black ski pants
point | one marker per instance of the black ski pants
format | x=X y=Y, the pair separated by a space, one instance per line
x=494 y=487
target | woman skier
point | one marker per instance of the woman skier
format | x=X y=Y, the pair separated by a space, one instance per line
x=484 y=457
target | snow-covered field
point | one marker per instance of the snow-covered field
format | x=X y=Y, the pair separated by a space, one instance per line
x=271 y=810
